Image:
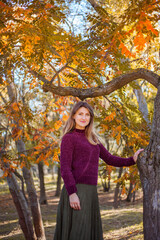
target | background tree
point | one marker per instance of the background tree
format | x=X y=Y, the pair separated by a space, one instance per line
x=102 y=59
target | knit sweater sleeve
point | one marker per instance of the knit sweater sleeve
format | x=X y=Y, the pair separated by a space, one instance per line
x=66 y=158
x=114 y=160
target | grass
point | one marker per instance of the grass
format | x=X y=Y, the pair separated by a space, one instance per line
x=124 y=223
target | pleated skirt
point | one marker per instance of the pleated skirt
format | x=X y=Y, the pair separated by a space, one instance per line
x=84 y=224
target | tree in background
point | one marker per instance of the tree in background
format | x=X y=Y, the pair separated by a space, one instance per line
x=118 y=44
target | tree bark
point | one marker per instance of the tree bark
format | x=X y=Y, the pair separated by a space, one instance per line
x=130 y=193
x=142 y=103
x=58 y=189
x=35 y=208
x=43 y=198
x=149 y=168
x=102 y=90
x=117 y=189
x=22 y=208
x=105 y=184
x=34 y=203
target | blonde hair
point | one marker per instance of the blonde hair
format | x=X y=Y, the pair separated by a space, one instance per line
x=70 y=123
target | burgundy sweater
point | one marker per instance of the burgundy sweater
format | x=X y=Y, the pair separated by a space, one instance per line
x=79 y=160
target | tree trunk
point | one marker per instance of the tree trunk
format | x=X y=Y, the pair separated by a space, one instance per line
x=58 y=190
x=22 y=208
x=106 y=185
x=43 y=198
x=52 y=171
x=149 y=168
x=117 y=189
x=130 y=193
x=142 y=103
x=35 y=208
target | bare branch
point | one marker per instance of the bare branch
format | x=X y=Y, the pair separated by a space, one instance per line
x=22 y=183
x=79 y=73
x=4 y=100
x=101 y=11
x=56 y=74
x=37 y=75
x=54 y=70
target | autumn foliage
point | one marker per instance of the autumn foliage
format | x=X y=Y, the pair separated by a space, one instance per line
x=39 y=45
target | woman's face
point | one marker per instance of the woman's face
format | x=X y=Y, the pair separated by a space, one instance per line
x=82 y=118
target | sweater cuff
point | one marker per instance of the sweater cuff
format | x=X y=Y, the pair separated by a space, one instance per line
x=71 y=189
x=132 y=161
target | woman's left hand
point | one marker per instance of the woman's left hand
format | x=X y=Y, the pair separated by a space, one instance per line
x=135 y=156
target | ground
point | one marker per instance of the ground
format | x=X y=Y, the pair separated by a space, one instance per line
x=124 y=223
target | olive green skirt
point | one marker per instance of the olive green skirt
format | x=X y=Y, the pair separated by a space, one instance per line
x=84 y=224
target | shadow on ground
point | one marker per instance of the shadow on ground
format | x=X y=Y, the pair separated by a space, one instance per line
x=121 y=224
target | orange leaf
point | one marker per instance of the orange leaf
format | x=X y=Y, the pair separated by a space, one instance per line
x=123 y=190
x=150 y=27
x=118 y=138
x=102 y=66
x=46 y=163
x=48 y=5
x=27 y=136
x=15 y=106
x=58 y=125
x=22 y=165
x=35 y=137
x=110 y=117
x=139 y=41
x=2 y=4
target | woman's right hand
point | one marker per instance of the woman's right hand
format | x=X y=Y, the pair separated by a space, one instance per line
x=74 y=201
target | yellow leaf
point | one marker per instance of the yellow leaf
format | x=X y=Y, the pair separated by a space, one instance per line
x=65 y=117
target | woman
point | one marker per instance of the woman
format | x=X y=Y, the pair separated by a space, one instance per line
x=78 y=216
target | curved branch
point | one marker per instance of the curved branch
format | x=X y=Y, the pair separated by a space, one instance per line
x=107 y=88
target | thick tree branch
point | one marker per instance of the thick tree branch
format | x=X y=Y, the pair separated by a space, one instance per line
x=107 y=88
